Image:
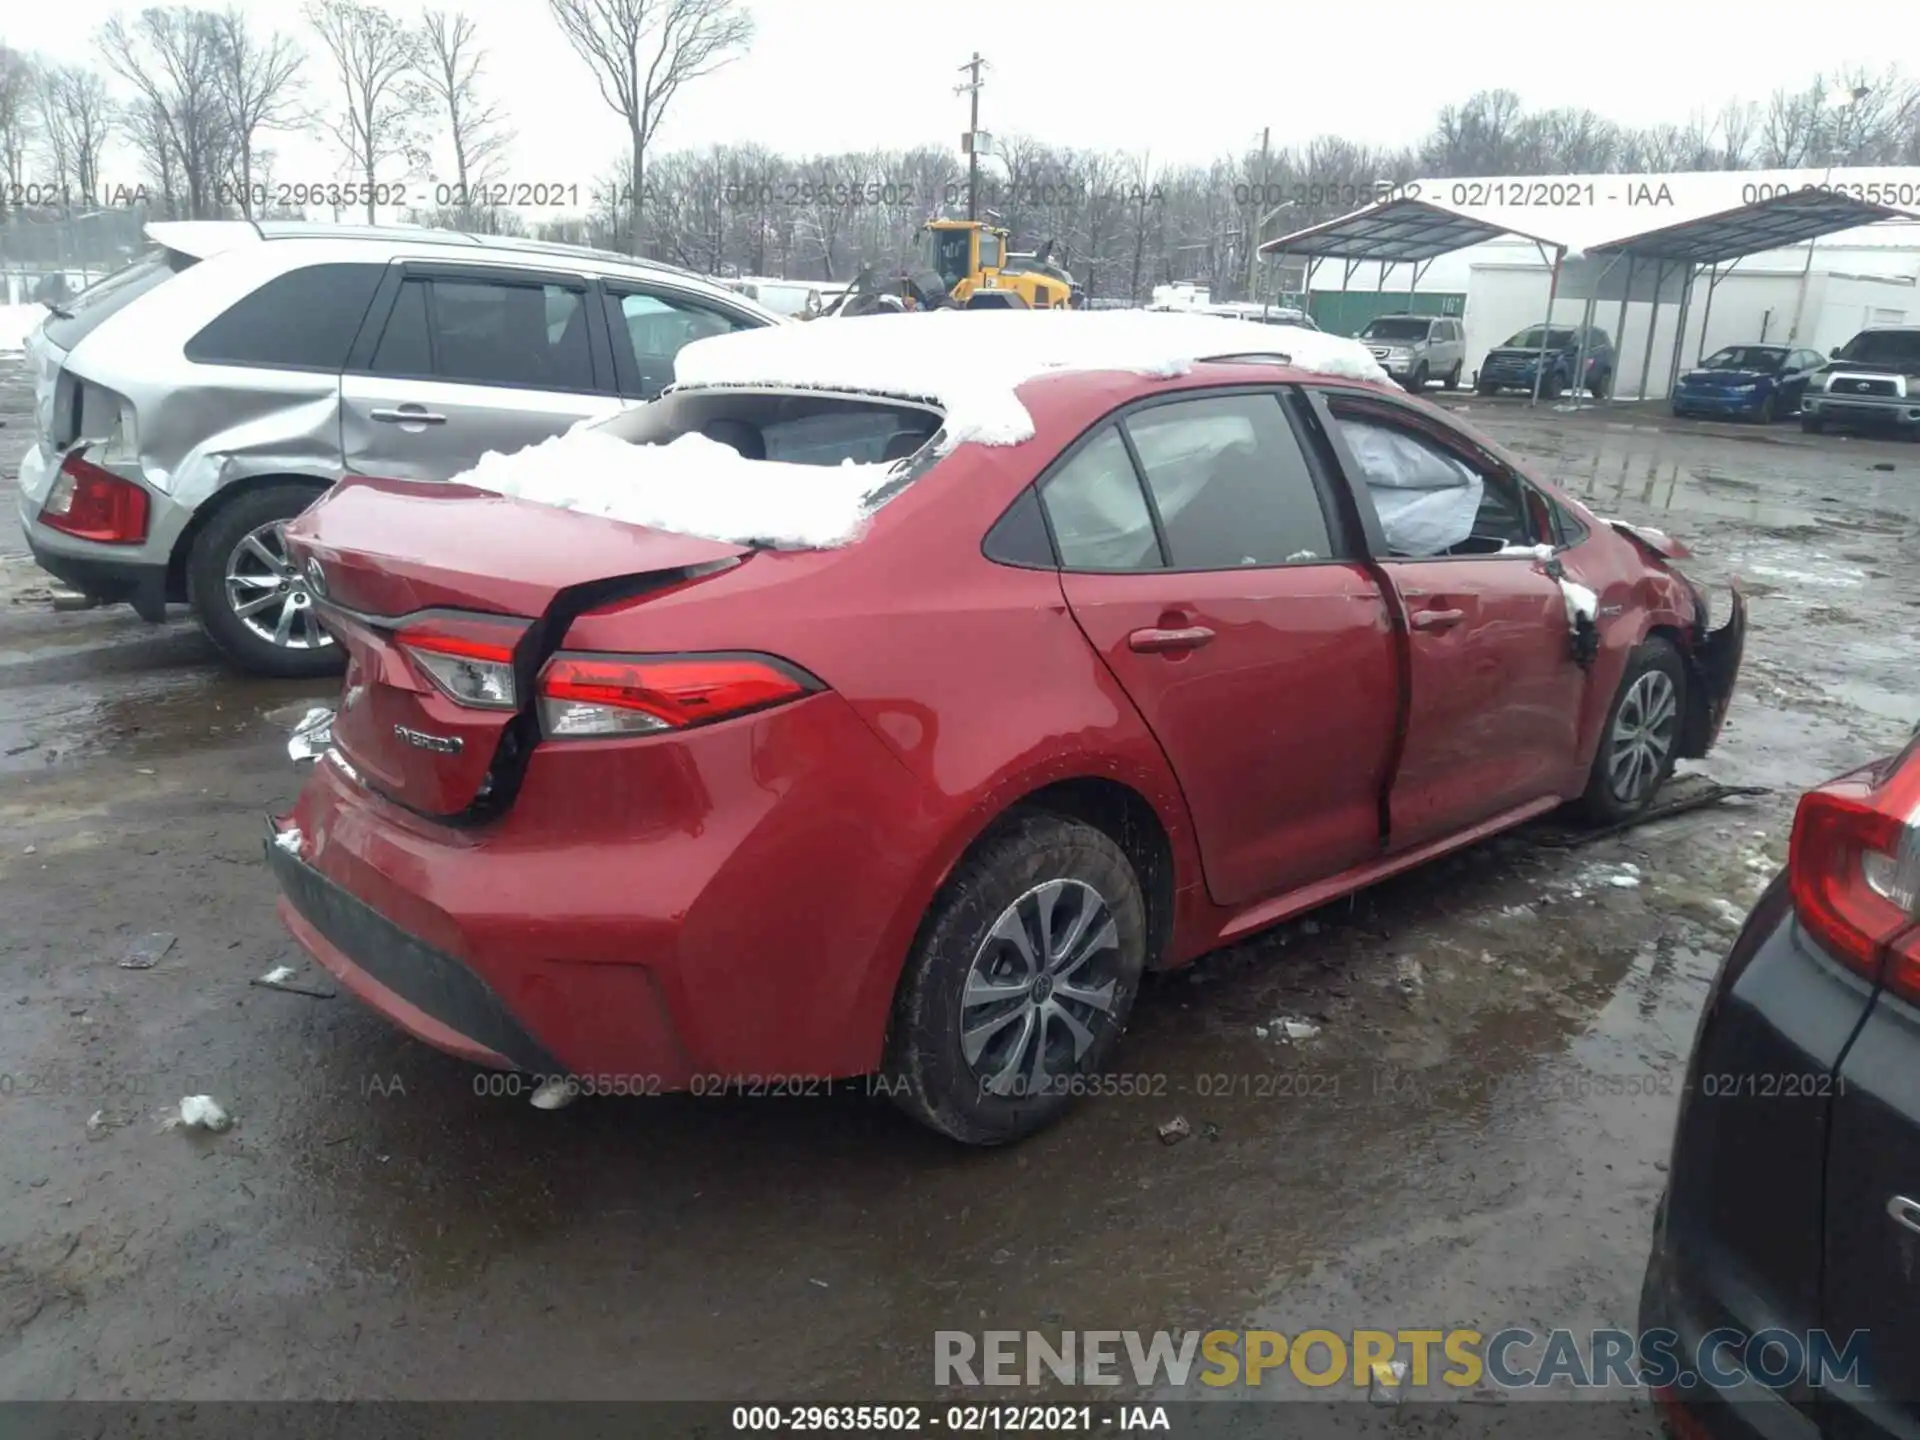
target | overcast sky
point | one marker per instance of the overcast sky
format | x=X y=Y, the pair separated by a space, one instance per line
x=1187 y=81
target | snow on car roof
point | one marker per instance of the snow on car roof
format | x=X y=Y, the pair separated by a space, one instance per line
x=971 y=363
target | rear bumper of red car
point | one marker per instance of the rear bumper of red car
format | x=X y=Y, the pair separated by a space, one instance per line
x=734 y=903
x=427 y=993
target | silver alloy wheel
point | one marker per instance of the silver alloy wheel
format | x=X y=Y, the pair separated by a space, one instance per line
x=1644 y=729
x=1039 y=983
x=267 y=596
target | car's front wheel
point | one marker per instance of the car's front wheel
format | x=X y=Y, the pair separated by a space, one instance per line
x=1020 y=983
x=246 y=595
x=1810 y=424
x=1641 y=739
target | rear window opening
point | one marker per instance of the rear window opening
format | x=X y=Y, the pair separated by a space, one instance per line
x=67 y=326
x=797 y=428
x=749 y=466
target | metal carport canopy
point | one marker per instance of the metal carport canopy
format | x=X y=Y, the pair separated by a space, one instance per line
x=1772 y=224
x=1776 y=223
x=1405 y=231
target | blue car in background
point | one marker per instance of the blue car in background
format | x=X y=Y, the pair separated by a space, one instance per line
x=1749 y=382
x=1511 y=366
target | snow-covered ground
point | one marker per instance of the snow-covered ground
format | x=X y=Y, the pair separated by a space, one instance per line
x=15 y=322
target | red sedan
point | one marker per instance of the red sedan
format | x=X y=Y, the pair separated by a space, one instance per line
x=1119 y=662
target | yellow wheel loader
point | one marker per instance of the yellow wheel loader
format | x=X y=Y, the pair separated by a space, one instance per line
x=963 y=264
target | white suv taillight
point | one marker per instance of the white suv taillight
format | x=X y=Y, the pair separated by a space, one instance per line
x=599 y=695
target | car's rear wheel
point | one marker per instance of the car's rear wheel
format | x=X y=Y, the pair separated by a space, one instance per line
x=246 y=595
x=1641 y=739
x=1452 y=382
x=1599 y=385
x=1020 y=983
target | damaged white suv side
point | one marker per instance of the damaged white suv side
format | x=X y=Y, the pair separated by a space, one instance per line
x=188 y=406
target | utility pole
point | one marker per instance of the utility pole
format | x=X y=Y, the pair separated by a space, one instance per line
x=972 y=88
x=1258 y=228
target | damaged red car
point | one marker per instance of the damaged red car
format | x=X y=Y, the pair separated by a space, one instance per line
x=1116 y=667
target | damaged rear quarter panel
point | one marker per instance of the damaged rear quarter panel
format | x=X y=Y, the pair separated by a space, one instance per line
x=200 y=428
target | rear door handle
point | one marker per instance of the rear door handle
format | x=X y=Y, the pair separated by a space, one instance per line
x=1905 y=1212
x=1437 y=619
x=1162 y=642
x=414 y=414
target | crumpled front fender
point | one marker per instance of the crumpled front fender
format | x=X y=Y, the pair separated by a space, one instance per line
x=1713 y=667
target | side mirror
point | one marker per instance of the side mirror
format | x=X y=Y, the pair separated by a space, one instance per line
x=1834 y=353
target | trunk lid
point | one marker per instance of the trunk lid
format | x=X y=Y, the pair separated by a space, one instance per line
x=465 y=578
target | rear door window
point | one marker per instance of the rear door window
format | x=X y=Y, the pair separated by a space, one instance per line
x=1230 y=483
x=303 y=320
x=1097 y=510
x=86 y=311
x=533 y=335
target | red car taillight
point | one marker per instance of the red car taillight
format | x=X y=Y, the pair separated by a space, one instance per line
x=1854 y=867
x=470 y=662
x=586 y=695
x=90 y=503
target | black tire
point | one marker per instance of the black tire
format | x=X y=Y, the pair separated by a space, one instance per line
x=1679 y=414
x=1452 y=382
x=1607 y=801
x=1812 y=425
x=1601 y=383
x=1487 y=389
x=207 y=589
x=1417 y=381
x=927 y=1072
x=1550 y=387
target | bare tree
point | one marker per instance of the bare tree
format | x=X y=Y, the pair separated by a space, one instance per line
x=146 y=127
x=641 y=52
x=259 y=88
x=76 y=119
x=450 y=65
x=377 y=58
x=18 y=107
x=171 y=57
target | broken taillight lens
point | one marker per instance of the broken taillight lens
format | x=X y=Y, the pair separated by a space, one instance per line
x=1854 y=867
x=90 y=503
x=470 y=662
x=587 y=695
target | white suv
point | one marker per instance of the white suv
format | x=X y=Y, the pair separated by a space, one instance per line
x=1415 y=349
x=189 y=405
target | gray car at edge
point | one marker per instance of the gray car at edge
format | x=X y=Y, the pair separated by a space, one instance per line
x=190 y=404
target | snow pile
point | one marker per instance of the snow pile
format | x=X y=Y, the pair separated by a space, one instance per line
x=692 y=486
x=970 y=362
x=16 y=323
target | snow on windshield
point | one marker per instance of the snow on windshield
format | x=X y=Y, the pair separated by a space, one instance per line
x=691 y=486
x=970 y=363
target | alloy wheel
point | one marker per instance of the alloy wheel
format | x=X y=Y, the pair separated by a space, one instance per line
x=1644 y=730
x=267 y=596
x=1041 y=982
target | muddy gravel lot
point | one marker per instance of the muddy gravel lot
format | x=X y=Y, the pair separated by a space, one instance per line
x=1474 y=1134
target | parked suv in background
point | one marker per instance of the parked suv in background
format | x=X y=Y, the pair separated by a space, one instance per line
x=1414 y=349
x=188 y=406
x=1873 y=380
x=1511 y=366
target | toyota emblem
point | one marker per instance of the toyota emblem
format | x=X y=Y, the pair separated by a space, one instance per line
x=316 y=579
